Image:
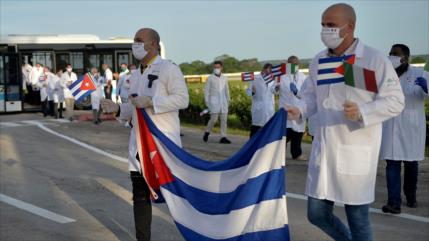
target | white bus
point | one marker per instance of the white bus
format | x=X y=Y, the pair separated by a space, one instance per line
x=55 y=51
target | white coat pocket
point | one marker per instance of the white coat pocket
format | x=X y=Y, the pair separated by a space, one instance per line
x=353 y=159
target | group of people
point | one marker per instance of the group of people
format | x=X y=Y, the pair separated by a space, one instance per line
x=350 y=131
x=53 y=88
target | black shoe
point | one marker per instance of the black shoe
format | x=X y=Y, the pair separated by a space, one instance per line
x=391 y=209
x=412 y=204
x=206 y=136
x=99 y=120
x=223 y=140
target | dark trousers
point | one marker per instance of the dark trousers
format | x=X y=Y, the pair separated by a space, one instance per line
x=45 y=107
x=295 y=139
x=52 y=107
x=254 y=129
x=393 y=178
x=142 y=207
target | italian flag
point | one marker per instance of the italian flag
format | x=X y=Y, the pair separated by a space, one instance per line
x=358 y=77
x=291 y=68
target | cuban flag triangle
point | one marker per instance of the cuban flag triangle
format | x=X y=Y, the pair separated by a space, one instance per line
x=249 y=76
x=240 y=198
x=278 y=70
x=328 y=71
x=82 y=87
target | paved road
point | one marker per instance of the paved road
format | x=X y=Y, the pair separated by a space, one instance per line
x=54 y=189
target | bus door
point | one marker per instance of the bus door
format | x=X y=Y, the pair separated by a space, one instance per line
x=10 y=83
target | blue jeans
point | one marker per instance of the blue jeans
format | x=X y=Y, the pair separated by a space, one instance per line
x=393 y=178
x=320 y=213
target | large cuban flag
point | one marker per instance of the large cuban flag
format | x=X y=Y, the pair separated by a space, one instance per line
x=240 y=198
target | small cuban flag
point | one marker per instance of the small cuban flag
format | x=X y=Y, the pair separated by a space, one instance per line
x=284 y=68
x=268 y=78
x=328 y=71
x=248 y=76
x=358 y=77
x=82 y=87
x=278 y=70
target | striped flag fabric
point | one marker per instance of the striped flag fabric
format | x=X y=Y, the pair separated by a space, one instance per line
x=358 y=77
x=278 y=70
x=240 y=198
x=248 y=76
x=82 y=87
x=268 y=78
x=328 y=72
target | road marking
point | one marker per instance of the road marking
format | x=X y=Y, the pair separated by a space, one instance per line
x=82 y=144
x=35 y=210
x=10 y=124
x=371 y=210
x=291 y=195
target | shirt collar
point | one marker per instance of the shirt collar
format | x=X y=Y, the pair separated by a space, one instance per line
x=356 y=48
x=154 y=60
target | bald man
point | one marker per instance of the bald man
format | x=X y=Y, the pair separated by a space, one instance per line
x=159 y=87
x=344 y=156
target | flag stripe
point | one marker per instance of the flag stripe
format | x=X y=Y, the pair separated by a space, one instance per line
x=330 y=81
x=358 y=77
x=249 y=219
x=268 y=235
x=82 y=95
x=243 y=196
x=212 y=181
x=326 y=71
x=239 y=159
x=370 y=80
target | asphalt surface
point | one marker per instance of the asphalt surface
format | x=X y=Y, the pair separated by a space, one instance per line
x=55 y=186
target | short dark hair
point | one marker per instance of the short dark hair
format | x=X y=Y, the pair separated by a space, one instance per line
x=218 y=62
x=404 y=48
x=67 y=65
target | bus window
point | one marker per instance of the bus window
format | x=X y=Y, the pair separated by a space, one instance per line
x=44 y=58
x=76 y=60
x=108 y=59
x=61 y=60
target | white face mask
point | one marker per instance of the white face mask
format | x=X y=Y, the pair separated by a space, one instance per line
x=217 y=71
x=69 y=69
x=138 y=50
x=331 y=37
x=396 y=61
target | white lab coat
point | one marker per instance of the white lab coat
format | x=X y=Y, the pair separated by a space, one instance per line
x=124 y=86
x=169 y=94
x=35 y=75
x=51 y=88
x=97 y=94
x=344 y=156
x=262 y=101
x=42 y=85
x=66 y=80
x=288 y=98
x=404 y=135
x=216 y=94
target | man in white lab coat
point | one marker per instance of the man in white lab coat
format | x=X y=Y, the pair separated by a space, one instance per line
x=97 y=95
x=345 y=151
x=159 y=87
x=108 y=78
x=34 y=77
x=67 y=79
x=51 y=89
x=216 y=97
x=404 y=135
x=288 y=88
x=262 y=99
x=42 y=85
x=123 y=84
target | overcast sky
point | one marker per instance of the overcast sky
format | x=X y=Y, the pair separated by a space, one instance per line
x=202 y=30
